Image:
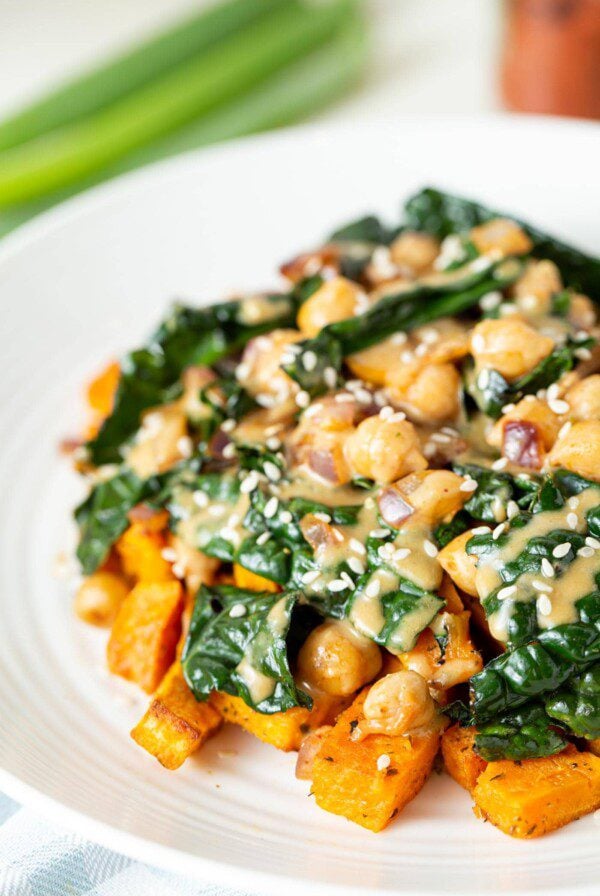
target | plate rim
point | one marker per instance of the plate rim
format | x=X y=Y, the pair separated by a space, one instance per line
x=113 y=838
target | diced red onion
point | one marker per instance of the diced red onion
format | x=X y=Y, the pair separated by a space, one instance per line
x=521 y=444
x=392 y=506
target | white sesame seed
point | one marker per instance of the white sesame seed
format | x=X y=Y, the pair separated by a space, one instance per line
x=401 y=554
x=542 y=586
x=507 y=308
x=337 y=535
x=346 y=578
x=309 y=359
x=498 y=531
x=421 y=350
x=564 y=429
x=249 y=483
x=383 y=762
x=363 y=396
x=311 y=576
x=478 y=343
x=441 y=438
x=481 y=530
x=386 y=412
x=169 y=554
x=469 y=485
x=357 y=546
x=272 y=471
x=200 y=498
x=286 y=517
x=552 y=391
x=324 y=517
x=586 y=552
x=547 y=568
x=228 y=425
x=407 y=357
x=185 y=446
x=271 y=508
x=544 y=605
x=355 y=565
x=581 y=335
x=398 y=417
x=561 y=550
x=572 y=520
x=229 y=451
x=500 y=464
x=429 y=548
x=484 y=378
x=508 y=591
x=573 y=502
x=344 y=397
x=242 y=371
x=379 y=533
x=399 y=338
x=273 y=443
x=508 y=408
x=373 y=588
x=558 y=406
x=337 y=585
x=430 y=336
x=178 y=570
x=592 y=542
x=584 y=354
x=237 y=610
x=302 y=399
x=330 y=377
x=512 y=509
x=217 y=510
x=385 y=551
x=263 y=538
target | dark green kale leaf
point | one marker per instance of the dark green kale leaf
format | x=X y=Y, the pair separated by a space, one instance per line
x=577 y=705
x=368 y=229
x=150 y=375
x=491 y=391
x=102 y=517
x=525 y=733
x=441 y=214
x=494 y=490
x=232 y=630
x=405 y=310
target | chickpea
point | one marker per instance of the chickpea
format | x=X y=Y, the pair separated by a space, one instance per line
x=509 y=346
x=99 y=597
x=501 y=235
x=434 y=494
x=460 y=566
x=260 y=371
x=398 y=704
x=432 y=394
x=158 y=441
x=578 y=450
x=415 y=251
x=194 y=379
x=531 y=410
x=536 y=286
x=582 y=312
x=372 y=364
x=336 y=661
x=335 y=300
x=384 y=450
x=584 y=398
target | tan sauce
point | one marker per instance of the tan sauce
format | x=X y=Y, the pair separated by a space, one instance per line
x=577 y=581
x=259 y=309
x=261 y=686
x=366 y=614
x=199 y=524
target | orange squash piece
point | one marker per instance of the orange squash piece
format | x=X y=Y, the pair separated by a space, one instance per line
x=175 y=724
x=100 y=397
x=535 y=796
x=347 y=780
x=461 y=761
x=243 y=578
x=594 y=746
x=144 y=635
x=283 y=730
x=140 y=550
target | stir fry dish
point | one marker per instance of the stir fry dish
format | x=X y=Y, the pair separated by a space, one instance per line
x=360 y=518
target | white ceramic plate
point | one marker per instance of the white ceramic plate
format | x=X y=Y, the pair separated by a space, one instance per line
x=92 y=278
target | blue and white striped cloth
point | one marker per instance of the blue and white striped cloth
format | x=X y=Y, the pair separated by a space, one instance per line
x=37 y=859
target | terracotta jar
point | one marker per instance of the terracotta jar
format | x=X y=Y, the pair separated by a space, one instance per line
x=551 y=57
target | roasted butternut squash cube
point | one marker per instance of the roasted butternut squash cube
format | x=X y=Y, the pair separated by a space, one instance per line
x=284 y=730
x=175 y=724
x=535 y=796
x=245 y=579
x=594 y=746
x=140 y=549
x=460 y=759
x=144 y=635
x=355 y=779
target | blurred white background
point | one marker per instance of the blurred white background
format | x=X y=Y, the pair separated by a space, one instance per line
x=428 y=55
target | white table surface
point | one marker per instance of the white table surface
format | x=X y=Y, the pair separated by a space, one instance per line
x=428 y=55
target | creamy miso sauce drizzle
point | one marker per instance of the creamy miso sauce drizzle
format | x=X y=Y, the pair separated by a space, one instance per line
x=261 y=686
x=577 y=580
x=199 y=524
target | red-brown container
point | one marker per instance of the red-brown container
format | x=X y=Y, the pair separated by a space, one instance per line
x=551 y=57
